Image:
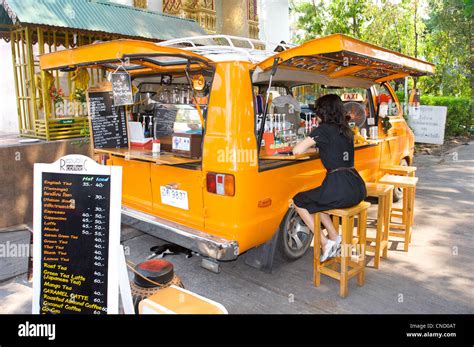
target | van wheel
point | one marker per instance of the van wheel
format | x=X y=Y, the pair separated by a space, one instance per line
x=295 y=237
x=398 y=192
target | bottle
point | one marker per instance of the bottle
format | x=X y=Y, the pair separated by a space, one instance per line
x=156 y=148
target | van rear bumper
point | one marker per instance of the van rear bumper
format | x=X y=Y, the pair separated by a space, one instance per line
x=193 y=239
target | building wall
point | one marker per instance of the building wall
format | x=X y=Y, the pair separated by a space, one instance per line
x=153 y=5
x=274 y=20
x=234 y=18
x=123 y=2
x=8 y=105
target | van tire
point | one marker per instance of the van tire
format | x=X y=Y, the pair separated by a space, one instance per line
x=398 y=192
x=295 y=237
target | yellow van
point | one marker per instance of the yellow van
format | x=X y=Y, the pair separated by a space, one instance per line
x=234 y=195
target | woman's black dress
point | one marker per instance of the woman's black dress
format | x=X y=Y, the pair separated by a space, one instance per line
x=342 y=187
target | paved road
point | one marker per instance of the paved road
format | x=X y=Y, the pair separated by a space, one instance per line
x=435 y=276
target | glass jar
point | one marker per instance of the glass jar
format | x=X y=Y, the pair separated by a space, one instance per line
x=176 y=95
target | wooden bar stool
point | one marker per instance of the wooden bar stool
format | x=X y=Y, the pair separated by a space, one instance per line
x=408 y=184
x=349 y=268
x=398 y=170
x=384 y=193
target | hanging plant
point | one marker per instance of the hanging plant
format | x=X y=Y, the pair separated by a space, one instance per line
x=386 y=125
x=80 y=95
x=57 y=95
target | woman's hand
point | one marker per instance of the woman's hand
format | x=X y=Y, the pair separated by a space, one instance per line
x=303 y=145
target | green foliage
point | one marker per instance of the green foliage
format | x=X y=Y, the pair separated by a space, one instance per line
x=400 y=95
x=443 y=33
x=460 y=117
x=320 y=18
x=448 y=40
x=386 y=125
x=460 y=112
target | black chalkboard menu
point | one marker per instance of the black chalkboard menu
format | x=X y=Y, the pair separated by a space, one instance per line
x=76 y=237
x=164 y=120
x=122 y=88
x=108 y=123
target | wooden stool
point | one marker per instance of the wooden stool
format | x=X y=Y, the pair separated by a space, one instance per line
x=408 y=184
x=399 y=170
x=349 y=268
x=384 y=193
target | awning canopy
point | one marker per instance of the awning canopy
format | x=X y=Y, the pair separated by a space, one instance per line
x=137 y=57
x=340 y=60
x=98 y=17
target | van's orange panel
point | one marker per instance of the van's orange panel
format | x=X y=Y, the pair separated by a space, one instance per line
x=230 y=131
x=136 y=186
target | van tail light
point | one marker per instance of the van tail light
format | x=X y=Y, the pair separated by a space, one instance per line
x=220 y=184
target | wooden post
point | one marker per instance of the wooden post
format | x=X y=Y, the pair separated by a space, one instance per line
x=31 y=75
x=381 y=211
x=15 y=78
x=386 y=222
x=43 y=84
x=347 y=231
x=317 y=249
x=362 y=227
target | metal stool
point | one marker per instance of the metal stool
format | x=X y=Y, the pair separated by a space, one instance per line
x=349 y=268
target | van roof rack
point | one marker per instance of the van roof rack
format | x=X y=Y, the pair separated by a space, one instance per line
x=226 y=47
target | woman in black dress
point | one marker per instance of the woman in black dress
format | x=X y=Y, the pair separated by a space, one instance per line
x=342 y=187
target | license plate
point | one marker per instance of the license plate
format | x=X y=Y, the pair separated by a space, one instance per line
x=174 y=197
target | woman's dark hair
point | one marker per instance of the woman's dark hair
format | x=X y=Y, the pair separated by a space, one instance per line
x=331 y=111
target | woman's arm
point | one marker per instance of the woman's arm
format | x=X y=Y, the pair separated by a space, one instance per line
x=303 y=145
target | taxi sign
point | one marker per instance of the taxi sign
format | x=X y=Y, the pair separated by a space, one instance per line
x=352 y=97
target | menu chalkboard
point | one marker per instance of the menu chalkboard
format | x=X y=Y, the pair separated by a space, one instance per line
x=108 y=123
x=122 y=88
x=164 y=120
x=76 y=237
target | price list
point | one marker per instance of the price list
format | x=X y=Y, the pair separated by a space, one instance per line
x=75 y=237
x=109 y=126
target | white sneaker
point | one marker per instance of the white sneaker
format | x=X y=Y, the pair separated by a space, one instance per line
x=337 y=245
x=328 y=251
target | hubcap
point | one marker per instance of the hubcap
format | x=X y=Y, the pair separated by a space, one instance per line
x=297 y=233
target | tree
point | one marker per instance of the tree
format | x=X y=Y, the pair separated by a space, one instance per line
x=439 y=31
x=449 y=45
x=320 y=18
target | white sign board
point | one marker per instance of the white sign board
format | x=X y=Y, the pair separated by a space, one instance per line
x=428 y=124
x=76 y=237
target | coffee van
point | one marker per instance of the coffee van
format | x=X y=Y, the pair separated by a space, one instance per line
x=234 y=195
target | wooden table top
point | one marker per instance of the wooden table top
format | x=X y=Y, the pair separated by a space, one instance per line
x=312 y=152
x=394 y=169
x=165 y=158
x=399 y=181
x=378 y=189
